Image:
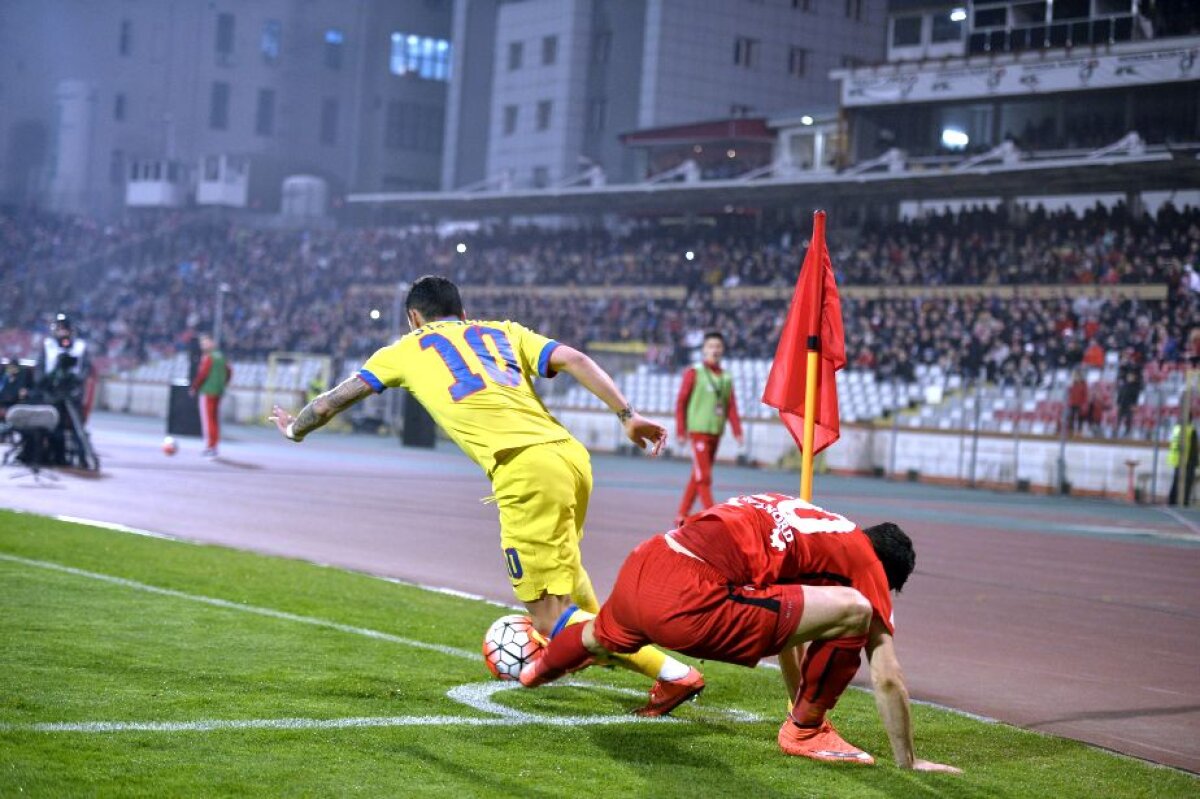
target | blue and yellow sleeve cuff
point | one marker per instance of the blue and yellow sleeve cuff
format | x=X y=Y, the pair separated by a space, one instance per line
x=543 y=366
x=371 y=380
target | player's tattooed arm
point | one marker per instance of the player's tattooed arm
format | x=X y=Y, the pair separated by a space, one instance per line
x=321 y=410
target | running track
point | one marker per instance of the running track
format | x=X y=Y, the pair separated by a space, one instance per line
x=1072 y=617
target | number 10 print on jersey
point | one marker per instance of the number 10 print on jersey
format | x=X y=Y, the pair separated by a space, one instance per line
x=503 y=368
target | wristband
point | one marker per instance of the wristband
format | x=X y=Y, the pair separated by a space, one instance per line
x=291 y=433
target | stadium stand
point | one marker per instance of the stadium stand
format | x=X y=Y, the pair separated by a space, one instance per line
x=1018 y=298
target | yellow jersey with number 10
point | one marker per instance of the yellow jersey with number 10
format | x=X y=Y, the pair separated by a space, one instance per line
x=476 y=379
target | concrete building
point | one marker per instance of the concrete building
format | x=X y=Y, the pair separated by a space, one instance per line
x=351 y=91
x=543 y=89
x=1026 y=79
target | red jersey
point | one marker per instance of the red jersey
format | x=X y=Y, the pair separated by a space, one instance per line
x=768 y=539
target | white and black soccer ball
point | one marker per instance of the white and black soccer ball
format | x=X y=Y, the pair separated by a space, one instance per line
x=509 y=644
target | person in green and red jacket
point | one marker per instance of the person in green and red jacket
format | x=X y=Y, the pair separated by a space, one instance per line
x=706 y=401
x=212 y=377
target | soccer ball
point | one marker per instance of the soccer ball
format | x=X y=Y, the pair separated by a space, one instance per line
x=509 y=644
x=169 y=446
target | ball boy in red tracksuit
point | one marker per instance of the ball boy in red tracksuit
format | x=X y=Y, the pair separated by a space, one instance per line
x=210 y=382
x=705 y=403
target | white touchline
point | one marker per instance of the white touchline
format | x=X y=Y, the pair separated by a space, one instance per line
x=477 y=696
x=225 y=603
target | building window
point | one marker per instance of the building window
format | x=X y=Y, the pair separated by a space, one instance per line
x=125 y=39
x=431 y=128
x=745 y=51
x=549 y=50
x=224 y=34
x=268 y=43
x=906 y=31
x=119 y=106
x=545 y=110
x=541 y=177
x=264 y=113
x=797 y=62
x=413 y=126
x=946 y=29
x=598 y=114
x=510 y=120
x=329 y=120
x=218 y=106
x=334 y=40
x=601 y=47
x=802 y=5
x=116 y=167
x=420 y=56
x=854 y=10
x=393 y=126
x=516 y=55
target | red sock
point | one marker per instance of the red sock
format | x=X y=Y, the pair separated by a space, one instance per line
x=828 y=668
x=566 y=652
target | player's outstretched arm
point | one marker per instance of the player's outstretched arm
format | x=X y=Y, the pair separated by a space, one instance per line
x=321 y=410
x=891 y=699
x=639 y=429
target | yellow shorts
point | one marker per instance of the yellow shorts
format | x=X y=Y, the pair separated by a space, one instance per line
x=542 y=492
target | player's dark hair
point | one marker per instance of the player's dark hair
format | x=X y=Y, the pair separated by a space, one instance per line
x=717 y=334
x=434 y=297
x=894 y=549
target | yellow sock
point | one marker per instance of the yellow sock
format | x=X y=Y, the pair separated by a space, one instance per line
x=579 y=617
x=647 y=660
x=584 y=595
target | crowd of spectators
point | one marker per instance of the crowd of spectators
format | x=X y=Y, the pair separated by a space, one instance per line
x=141 y=290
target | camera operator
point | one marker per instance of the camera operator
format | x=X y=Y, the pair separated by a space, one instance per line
x=63 y=366
x=62 y=379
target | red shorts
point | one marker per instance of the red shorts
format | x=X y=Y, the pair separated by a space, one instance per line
x=667 y=598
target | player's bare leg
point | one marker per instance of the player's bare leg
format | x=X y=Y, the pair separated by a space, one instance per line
x=790 y=660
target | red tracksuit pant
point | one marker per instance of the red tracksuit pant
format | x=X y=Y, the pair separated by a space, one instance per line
x=704 y=454
x=210 y=425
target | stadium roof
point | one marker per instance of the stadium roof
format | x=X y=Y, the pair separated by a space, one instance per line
x=1160 y=171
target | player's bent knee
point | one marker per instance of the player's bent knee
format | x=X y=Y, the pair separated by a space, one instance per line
x=857 y=617
x=832 y=612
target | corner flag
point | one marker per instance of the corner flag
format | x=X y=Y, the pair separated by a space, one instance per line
x=804 y=389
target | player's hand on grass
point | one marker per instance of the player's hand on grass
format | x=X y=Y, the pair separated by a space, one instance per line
x=643 y=432
x=929 y=765
x=282 y=419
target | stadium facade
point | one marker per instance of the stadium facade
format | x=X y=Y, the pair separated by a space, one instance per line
x=543 y=89
x=95 y=92
x=994 y=101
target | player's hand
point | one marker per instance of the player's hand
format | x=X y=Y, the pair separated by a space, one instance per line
x=282 y=419
x=929 y=765
x=642 y=431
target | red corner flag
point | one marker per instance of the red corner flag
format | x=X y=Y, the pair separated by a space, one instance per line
x=814 y=322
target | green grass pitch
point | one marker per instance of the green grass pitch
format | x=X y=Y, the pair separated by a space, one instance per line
x=135 y=666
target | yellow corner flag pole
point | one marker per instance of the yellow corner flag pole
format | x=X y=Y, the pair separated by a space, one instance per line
x=811 y=376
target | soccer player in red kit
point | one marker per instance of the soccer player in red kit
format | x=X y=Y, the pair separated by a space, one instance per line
x=757 y=576
x=705 y=403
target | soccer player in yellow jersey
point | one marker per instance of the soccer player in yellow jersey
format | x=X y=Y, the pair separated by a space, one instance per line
x=475 y=379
